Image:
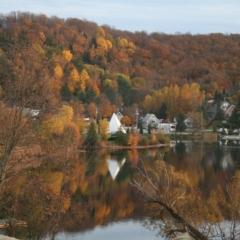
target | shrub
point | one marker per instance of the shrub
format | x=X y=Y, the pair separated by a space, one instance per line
x=153 y=138
x=224 y=132
x=214 y=129
x=230 y=131
x=133 y=139
x=167 y=139
x=121 y=138
x=161 y=137
x=143 y=141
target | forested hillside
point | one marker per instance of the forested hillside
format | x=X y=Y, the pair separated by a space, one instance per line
x=107 y=68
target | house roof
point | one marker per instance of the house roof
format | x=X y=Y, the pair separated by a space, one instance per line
x=31 y=112
x=224 y=105
x=231 y=106
x=115 y=125
x=148 y=116
x=119 y=115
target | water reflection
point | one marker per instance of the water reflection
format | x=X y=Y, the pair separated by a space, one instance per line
x=114 y=167
x=93 y=189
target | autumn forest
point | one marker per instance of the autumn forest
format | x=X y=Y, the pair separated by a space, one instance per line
x=109 y=69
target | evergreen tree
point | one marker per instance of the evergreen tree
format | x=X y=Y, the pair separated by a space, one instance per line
x=218 y=96
x=149 y=129
x=124 y=87
x=230 y=131
x=235 y=117
x=91 y=137
x=141 y=129
x=111 y=94
x=65 y=93
x=224 y=132
x=90 y=95
x=163 y=111
x=82 y=96
x=219 y=113
x=215 y=129
x=78 y=62
x=121 y=138
x=180 y=127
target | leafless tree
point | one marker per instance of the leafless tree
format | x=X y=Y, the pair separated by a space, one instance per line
x=182 y=207
x=24 y=96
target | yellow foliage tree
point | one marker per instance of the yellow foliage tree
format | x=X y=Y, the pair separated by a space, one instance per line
x=56 y=124
x=107 y=82
x=109 y=44
x=82 y=124
x=58 y=71
x=147 y=104
x=101 y=32
x=101 y=43
x=104 y=129
x=66 y=113
x=82 y=79
x=53 y=182
x=73 y=80
x=67 y=55
x=42 y=36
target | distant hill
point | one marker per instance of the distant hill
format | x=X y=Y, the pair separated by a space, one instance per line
x=121 y=66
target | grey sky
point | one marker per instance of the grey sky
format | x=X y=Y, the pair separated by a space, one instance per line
x=168 y=16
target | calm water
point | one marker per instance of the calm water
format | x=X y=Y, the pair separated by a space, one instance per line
x=98 y=202
x=207 y=165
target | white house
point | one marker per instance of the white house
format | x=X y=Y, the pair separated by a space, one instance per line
x=189 y=123
x=30 y=112
x=226 y=107
x=150 y=120
x=167 y=127
x=115 y=125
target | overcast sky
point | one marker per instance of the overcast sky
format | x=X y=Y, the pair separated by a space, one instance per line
x=167 y=16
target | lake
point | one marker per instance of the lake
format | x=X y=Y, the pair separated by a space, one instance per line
x=97 y=200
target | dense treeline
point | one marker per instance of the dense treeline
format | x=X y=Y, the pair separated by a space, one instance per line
x=112 y=68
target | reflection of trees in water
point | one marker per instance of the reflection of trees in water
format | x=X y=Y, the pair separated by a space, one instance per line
x=206 y=164
x=180 y=149
x=178 y=206
x=82 y=194
x=56 y=197
x=235 y=155
x=220 y=158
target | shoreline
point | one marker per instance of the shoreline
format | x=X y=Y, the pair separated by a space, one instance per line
x=130 y=147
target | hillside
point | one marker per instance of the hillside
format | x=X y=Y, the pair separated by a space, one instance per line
x=112 y=69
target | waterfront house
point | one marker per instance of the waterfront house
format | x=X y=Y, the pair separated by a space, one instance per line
x=150 y=120
x=226 y=107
